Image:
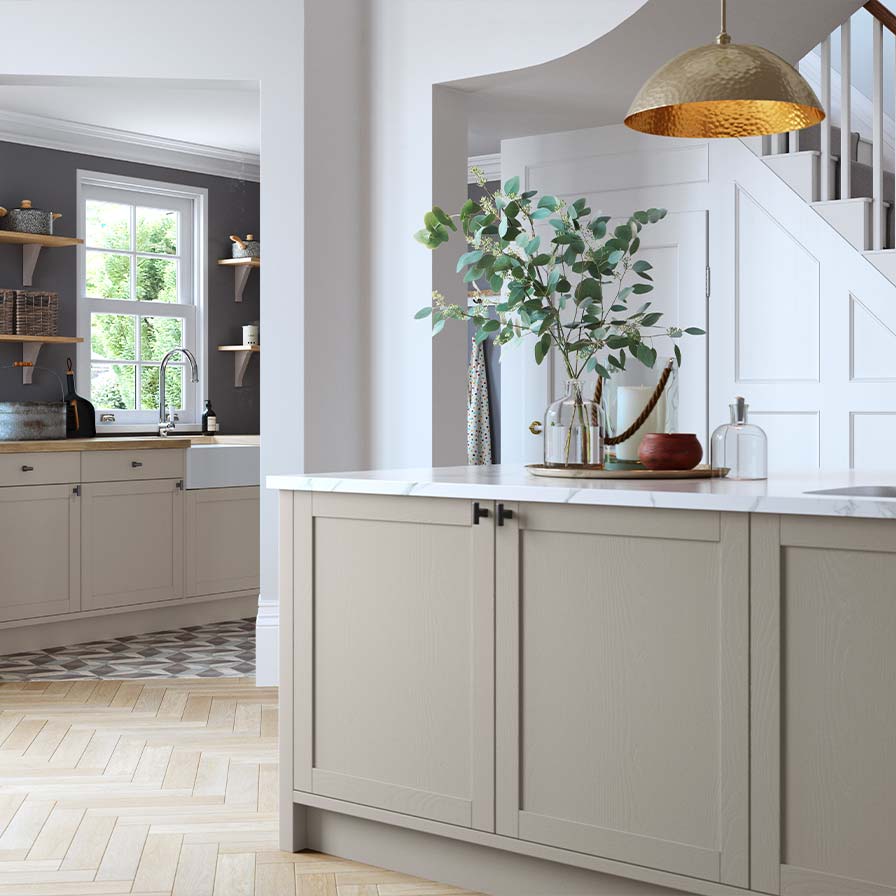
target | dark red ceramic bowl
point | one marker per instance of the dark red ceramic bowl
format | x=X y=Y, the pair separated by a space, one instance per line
x=670 y=451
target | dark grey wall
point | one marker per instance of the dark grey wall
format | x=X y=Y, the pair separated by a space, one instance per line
x=48 y=178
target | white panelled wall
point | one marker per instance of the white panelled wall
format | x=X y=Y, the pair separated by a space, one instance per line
x=799 y=321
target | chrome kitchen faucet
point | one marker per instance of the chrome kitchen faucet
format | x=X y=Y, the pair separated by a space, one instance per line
x=167 y=419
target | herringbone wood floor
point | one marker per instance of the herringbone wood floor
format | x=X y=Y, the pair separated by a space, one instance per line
x=155 y=787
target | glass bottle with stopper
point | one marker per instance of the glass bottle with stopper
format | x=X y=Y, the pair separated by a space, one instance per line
x=740 y=446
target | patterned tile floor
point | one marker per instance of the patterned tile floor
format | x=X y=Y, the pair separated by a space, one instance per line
x=221 y=650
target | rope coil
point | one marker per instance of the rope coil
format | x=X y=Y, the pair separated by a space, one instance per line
x=648 y=408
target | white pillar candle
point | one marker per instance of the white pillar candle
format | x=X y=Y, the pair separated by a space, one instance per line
x=630 y=402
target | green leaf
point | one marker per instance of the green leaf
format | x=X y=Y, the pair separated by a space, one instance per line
x=549 y=202
x=615 y=257
x=423 y=312
x=695 y=331
x=541 y=213
x=481 y=335
x=599 y=226
x=426 y=238
x=589 y=288
x=639 y=267
x=636 y=244
x=650 y=319
x=491 y=325
x=623 y=232
x=443 y=218
x=437 y=327
x=503 y=226
x=512 y=186
x=605 y=374
x=553 y=280
x=640 y=288
x=469 y=258
x=677 y=354
x=496 y=281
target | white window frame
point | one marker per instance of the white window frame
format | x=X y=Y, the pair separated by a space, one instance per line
x=192 y=202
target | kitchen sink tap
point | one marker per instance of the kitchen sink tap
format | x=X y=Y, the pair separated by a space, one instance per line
x=167 y=419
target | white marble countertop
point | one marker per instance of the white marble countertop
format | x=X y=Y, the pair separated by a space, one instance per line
x=781 y=493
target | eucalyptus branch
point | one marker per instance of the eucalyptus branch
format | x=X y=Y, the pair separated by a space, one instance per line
x=537 y=284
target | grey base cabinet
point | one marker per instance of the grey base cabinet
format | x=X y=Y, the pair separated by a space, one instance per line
x=132 y=543
x=710 y=696
x=394 y=704
x=824 y=713
x=222 y=540
x=623 y=685
x=40 y=551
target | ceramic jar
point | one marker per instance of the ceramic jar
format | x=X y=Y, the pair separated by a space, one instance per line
x=670 y=451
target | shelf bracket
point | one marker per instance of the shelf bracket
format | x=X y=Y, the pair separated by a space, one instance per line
x=30 y=254
x=240 y=278
x=30 y=351
x=240 y=364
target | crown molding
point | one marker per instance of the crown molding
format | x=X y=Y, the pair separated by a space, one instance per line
x=127 y=146
x=490 y=164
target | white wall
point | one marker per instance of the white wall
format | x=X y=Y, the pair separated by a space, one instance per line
x=800 y=323
x=414 y=45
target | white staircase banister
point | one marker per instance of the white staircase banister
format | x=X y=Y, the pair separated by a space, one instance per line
x=826 y=123
x=877 y=150
x=845 y=111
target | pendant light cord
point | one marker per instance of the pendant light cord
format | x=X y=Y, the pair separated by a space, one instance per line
x=724 y=37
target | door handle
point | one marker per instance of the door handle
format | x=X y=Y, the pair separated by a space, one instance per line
x=535 y=427
x=27 y=469
x=136 y=463
x=504 y=514
x=479 y=513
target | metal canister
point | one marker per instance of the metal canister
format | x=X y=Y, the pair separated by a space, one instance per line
x=245 y=248
x=22 y=421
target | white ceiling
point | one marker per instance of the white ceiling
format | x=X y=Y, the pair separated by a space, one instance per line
x=220 y=115
x=594 y=86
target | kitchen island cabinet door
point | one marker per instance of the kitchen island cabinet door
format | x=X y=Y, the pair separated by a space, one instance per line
x=394 y=690
x=132 y=544
x=40 y=545
x=824 y=706
x=622 y=685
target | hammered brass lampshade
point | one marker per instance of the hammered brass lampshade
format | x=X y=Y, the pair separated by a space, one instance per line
x=724 y=90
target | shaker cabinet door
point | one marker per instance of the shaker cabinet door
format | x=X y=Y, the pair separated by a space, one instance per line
x=622 y=685
x=39 y=551
x=394 y=648
x=824 y=706
x=133 y=543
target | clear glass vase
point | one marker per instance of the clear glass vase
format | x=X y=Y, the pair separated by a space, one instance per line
x=740 y=446
x=574 y=429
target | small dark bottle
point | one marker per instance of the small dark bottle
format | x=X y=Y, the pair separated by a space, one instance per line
x=209 y=420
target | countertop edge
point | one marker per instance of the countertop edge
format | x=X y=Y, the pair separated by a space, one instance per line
x=640 y=497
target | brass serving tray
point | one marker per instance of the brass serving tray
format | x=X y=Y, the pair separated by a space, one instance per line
x=580 y=471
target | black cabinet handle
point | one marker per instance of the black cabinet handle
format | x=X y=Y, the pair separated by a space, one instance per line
x=27 y=469
x=136 y=463
x=479 y=513
x=504 y=514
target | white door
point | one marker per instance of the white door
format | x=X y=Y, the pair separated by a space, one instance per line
x=677 y=249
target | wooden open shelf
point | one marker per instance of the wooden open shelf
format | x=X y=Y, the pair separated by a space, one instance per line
x=242 y=267
x=31 y=346
x=37 y=239
x=240 y=262
x=242 y=356
x=31 y=244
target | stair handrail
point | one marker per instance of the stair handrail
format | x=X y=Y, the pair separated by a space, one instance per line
x=885 y=16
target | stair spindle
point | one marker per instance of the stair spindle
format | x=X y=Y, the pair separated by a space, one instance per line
x=877 y=150
x=845 y=111
x=825 y=178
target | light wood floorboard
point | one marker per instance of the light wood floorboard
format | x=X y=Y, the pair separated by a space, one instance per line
x=156 y=788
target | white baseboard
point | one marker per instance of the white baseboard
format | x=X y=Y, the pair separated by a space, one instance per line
x=267 y=643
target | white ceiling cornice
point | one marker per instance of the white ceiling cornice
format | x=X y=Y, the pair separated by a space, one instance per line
x=490 y=164
x=127 y=146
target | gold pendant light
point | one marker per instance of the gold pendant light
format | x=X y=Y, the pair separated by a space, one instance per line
x=724 y=90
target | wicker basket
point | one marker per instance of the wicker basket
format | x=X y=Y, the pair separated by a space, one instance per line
x=37 y=313
x=7 y=311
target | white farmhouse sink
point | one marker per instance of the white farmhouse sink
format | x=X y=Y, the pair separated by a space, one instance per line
x=223 y=461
